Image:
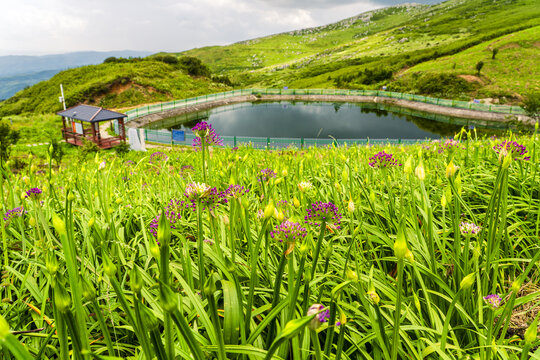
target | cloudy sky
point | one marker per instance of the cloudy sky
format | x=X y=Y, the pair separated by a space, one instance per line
x=36 y=27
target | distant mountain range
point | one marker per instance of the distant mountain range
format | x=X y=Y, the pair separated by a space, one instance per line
x=20 y=71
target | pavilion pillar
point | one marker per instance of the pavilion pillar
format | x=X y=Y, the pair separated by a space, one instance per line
x=122 y=129
x=93 y=126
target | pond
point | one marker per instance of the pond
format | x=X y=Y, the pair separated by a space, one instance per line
x=320 y=120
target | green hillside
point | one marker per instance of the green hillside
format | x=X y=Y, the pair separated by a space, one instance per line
x=114 y=85
x=425 y=49
x=393 y=39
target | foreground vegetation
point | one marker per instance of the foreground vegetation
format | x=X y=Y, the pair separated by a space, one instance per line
x=425 y=251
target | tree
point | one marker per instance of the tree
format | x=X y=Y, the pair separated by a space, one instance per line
x=479 y=66
x=495 y=51
x=194 y=66
x=8 y=137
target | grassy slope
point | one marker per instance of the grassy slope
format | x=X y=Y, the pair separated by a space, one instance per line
x=394 y=38
x=514 y=69
x=110 y=85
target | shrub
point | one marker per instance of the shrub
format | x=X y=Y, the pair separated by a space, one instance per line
x=442 y=85
x=8 y=137
x=531 y=104
x=194 y=66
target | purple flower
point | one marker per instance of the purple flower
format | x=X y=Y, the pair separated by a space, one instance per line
x=493 y=301
x=173 y=212
x=34 y=193
x=266 y=174
x=235 y=191
x=209 y=241
x=320 y=212
x=288 y=232
x=469 y=229
x=511 y=147
x=204 y=132
x=322 y=314
x=383 y=160
x=449 y=144
x=158 y=157
x=10 y=214
x=208 y=196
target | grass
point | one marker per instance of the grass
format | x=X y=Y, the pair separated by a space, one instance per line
x=132 y=257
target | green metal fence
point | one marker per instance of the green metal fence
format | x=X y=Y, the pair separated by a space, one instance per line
x=157 y=108
x=165 y=137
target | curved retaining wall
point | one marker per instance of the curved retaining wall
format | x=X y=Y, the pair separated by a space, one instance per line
x=141 y=121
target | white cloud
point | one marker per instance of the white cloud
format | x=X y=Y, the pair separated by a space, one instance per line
x=53 y=26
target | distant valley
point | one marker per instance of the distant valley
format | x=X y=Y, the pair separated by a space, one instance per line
x=20 y=71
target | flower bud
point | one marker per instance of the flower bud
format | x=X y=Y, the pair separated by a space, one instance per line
x=420 y=172
x=149 y=320
x=135 y=280
x=154 y=250
x=400 y=246
x=209 y=286
x=88 y=290
x=417 y=303
x=32 y=221
x=407 y=168
x=119 y=200
x=371 y=196
x=284 y=172
x=164 y=230
x=62 y=300
x=373 y=296
x=51 y=263
x=443 y=200
x=108 y=266
x=296 y=202
x=269 y=210
x=351 y=275
x=350 y=206
x=451 y=169
x=169 y=300
x=51 y=149
x=467 y=281
x=516 y=286
x=345 y=175
x=4 y=328
x=59 y=224
x=91 y=222
x=71 y=197
x=409 y=256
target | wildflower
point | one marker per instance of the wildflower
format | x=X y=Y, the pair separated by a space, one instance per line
x=449 y=144
x=266 y=174
x=209 y=241
x=196 y=190
x=326 y=212
x=173 y=212
x=469 y=229
x=322 y=314
x=34 y=193
x=493 y=301
x=236 y=191
x=305 y=186
x=10 y=214
x=516 y=151
x=102 y=165
x=158 y=157
x=383 y=160
x=350 y=206
x=204 y=132
x=288 y=232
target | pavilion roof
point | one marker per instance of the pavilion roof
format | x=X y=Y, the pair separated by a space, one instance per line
x=90 y=113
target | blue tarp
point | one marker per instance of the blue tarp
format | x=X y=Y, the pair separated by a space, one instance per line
x=178 y=135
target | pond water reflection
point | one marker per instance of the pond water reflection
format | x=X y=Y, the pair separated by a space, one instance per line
x=287 y=119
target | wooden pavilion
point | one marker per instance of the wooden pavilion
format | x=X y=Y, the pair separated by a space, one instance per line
x=75 y=131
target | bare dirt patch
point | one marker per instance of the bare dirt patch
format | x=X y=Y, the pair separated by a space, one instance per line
x=472 y=79
x=510 y=46
x=536 y=44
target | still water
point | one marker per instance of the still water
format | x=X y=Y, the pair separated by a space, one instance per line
x=323 y=120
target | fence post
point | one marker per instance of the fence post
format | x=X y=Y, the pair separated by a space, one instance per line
x=268 y=139
x=234 y=141
x=161 y=107
x=301 y=143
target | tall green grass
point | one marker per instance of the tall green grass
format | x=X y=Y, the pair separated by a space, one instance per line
x=109 y=262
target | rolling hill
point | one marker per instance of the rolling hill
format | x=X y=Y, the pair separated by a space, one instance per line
x=425 y=49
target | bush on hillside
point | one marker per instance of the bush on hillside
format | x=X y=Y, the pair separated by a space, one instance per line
x=194 y=66
x=531 y=104
x=442 y=85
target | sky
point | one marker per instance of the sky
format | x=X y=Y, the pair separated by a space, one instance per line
x=39 y=27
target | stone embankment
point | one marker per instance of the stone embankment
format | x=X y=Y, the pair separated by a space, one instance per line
x=430 y=108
